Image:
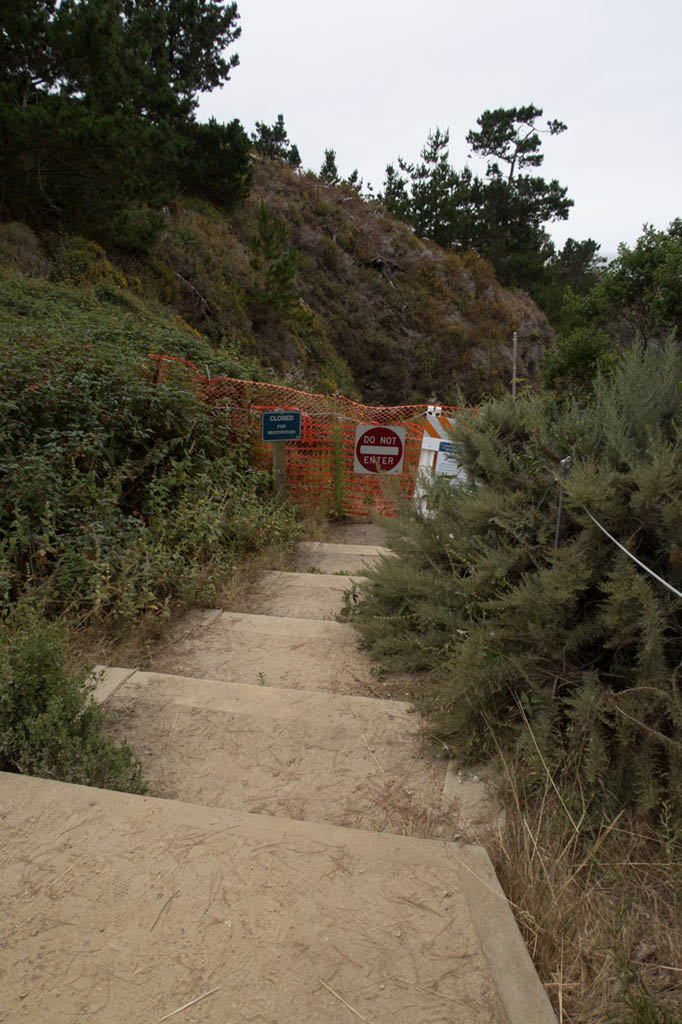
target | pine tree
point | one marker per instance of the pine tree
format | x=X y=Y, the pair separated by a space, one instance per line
x=97 y=102
x=329 y=172
x=276 y=262
x=500 y=216
x=272 y=141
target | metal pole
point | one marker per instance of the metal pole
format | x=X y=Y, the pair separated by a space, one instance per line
x=514 y=357
x=564 y=467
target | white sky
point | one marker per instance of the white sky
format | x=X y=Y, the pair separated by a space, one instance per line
x=370 y=79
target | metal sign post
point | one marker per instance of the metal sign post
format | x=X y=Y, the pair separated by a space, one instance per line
x=279 y=468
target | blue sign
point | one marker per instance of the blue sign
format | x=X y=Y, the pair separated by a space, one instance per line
x=446 y=446
x=281 y=425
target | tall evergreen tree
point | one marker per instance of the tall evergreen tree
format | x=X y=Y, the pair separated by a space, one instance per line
x=97 y=101
x=512 y=136
x=579 y=264
x=502 y=215
x=514 y=207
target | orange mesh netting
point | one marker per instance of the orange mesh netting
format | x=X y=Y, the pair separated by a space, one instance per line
x=320 y=467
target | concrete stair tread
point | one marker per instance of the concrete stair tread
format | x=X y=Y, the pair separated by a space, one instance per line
x=308 y=755
x=296 y=653
x=300 y=594
x=338 y=558
x=127 y=908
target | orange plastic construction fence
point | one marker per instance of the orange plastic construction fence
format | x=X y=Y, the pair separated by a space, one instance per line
x=320 y=467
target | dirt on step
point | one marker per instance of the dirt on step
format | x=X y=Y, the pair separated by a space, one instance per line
x=355 y=531
x=124 y=909
x=351 y=761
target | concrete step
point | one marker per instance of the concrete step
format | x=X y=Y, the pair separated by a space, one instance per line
x=122 y=908
x=300 y=654
x=352 y=559
x=352 y=761
x=300 y=595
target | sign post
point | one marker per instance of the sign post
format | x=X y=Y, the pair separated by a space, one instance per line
x=278 y=427
x=379 y=449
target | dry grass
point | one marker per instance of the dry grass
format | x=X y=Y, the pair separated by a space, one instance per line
x=600 y=909
x=396 y=809
x=135 y=646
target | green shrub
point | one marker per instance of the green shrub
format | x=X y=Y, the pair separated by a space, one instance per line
x=579 y=356
x=82 y=262
x=217 y=162
x=50 y=725
x=119 y=494
x=567 y=660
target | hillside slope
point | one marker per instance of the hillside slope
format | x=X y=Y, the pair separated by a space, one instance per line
x=315 y=284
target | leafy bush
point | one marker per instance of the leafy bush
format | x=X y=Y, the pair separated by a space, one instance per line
x=569 y=660
x=81 y=262
x=120 y=494
x=50 y=725
x=579 y=356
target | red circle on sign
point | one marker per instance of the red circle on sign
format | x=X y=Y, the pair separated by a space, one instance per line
x=379 y=449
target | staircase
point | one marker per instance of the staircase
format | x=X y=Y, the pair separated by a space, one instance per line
x=299 y=859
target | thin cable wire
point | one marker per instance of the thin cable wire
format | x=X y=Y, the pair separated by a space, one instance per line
x=630 y=555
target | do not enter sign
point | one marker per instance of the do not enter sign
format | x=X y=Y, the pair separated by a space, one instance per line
x=379 y=449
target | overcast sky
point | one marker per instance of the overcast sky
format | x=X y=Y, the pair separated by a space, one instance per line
x=370 y=79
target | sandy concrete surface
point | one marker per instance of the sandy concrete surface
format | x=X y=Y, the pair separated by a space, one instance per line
x=351 y=761
x=355 y=531
x=118 y=908
x=299 y=594
x=269 y=650
x=121 y=909
x=332 y=558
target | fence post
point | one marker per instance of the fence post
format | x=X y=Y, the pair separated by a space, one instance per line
x=279 y=468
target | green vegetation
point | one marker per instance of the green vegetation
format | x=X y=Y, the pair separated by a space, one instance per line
x=121 y=494
x=50 y=725
x=501 y=216
x=275 y=263
x=524 y=641
x=128 y=228
x=562 y=664
x=272 y=141
x=312 y=285
x=329 y=172
x=636 y=299
x=102 y=147
x=97 y=101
